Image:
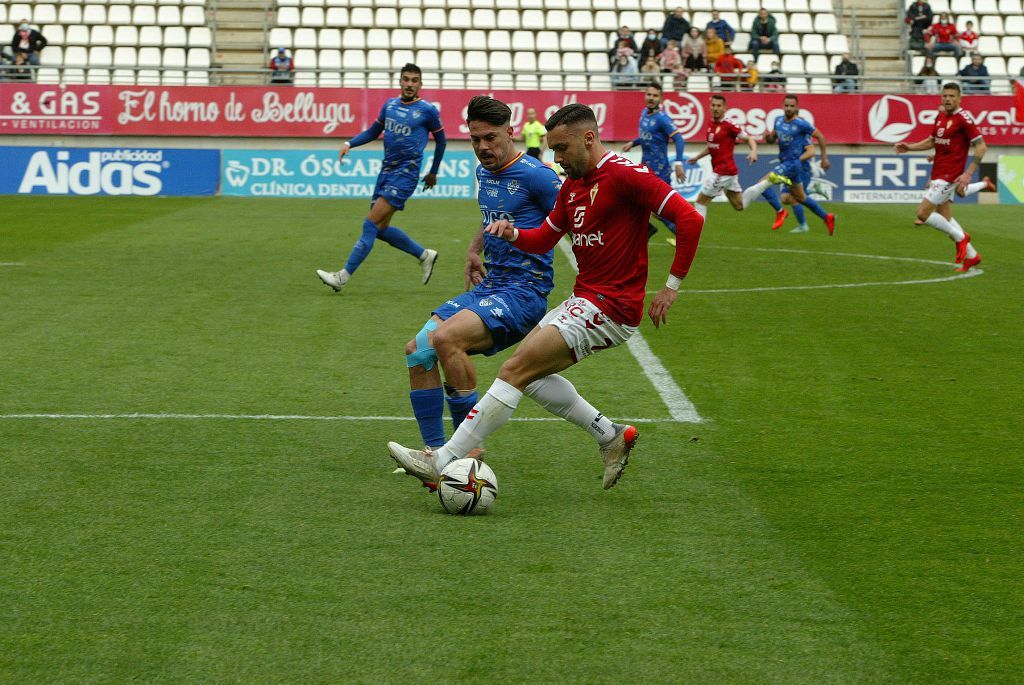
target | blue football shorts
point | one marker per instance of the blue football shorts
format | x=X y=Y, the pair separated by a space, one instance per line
x=789 y=168
x=396 y=187
x=508 y=311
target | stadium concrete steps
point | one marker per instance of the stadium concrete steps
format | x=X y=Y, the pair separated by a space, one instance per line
x=241 y=39
x=878 y=29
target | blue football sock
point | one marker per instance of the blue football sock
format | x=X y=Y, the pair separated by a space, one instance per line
x=396 y=237
x=668 y=224
x=460 y=405
x=773 y=198
x=813 y=205
x=362 y=247
x=798 y=212
x=428 y=408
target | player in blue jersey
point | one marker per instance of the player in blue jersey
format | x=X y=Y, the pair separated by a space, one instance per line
x=406 y=122
x=792 y=133
x=805 y=179
x=507 y=289
x=656 y=130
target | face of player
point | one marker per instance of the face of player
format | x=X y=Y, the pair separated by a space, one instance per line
x=653 y=98
x=950 y=101
x=531 y=115
x=717 y=110
x=572 y=149
x=410 y=84
x=492 y=144
x=790 y=108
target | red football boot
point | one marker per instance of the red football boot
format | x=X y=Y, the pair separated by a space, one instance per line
x=961 y=248
x=969 y=262
x=780 y=218
x=830 y=223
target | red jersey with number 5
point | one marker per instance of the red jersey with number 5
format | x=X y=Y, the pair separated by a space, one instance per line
x=953 y=135
x=721 y=137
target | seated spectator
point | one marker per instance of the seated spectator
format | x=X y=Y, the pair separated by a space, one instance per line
x=975 y=75
x=283 y=68
x=764 y=35
x=944 y=37
x=695 y=50
x=841 y=82
x=715 y=47
x=773 y=81
x=670 y=59
x=651 y=67
x=927 y=80
x=919 y=16
x=753 y=75
x=729 y=69
x=28 y=43
x=651 y=46
x=676 y=26
x=625 y=34
x=969 y=38
x=624 y=72
x=721 y=27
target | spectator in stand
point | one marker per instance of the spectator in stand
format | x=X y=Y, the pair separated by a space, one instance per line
x=670 y=59
x=773 y=81
x=715 y=47
x=625 y=34
x=764 y=35
x=721 y=27
x=676 y=26
x=729 y=69
x=695 y=51
x=753 y=76
x=919 y=16
x=928 y=79
x=651 y=46
x=944 y=37
x=651 y=70
x=969 y=38
x=283 y=68
x=975 y=75
x=28 y=43
x=624 y=72
x=841 y=82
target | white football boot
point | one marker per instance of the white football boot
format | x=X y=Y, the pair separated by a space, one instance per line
x=417 y=463
x=615 y=453
x=335 y=279
x=427 y=263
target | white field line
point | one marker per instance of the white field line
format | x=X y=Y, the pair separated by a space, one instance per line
x=12 y=263
x=680 y=408
x=260 y=417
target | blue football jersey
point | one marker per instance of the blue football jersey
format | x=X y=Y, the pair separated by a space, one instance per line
x=793 y=136
x=522 y=192
x=407 y=127
x=655 y=131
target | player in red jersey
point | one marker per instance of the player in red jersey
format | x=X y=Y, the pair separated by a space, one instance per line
x=952 y=136
x=722 y=135
x=604 y=206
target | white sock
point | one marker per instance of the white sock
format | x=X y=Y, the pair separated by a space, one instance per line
x=489 y=414
x=971 y=252
x=938 y=221
x=973 y=188
x=701 y=209
x=559 y=397
x=754 y=192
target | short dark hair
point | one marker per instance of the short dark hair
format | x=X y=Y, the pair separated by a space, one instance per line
x=716 y=96
x=951 y=85
x=656 y=86
x=793 y=98
x=570 y=115
x=411 y=68
x=484 y=108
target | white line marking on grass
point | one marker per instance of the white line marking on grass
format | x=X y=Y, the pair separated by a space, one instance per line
x=680 y=408
x=12 y=263
x=264 y=417
x=954 y=277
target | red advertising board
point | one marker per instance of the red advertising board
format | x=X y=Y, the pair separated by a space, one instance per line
x=342 y=112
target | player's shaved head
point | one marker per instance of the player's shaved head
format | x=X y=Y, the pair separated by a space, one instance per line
x=574 y=116
x=489 y=110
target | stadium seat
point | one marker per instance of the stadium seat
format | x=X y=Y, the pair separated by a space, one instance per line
x=596 y=62
x=400 y=58
x=174 y=58
x=55 y=34
x=427 y=60
x=792 y=64
x=70 y=14
x=550 y=82
x=633 y=20
x=122 y=77
x=595 y=40
x=813 y=44
x=797 y=6
x=450 y=39
x=549 y=62
x=151 y=36
x=774 y=6
x=989 y=45
x=175 y=37
x=312 y=16
x=379 y=39
x=302 y=37
x=500 y=61
x=816 y=64
x=20 y=11
x=571 y=41
x=426 y=39
x=527 y=82
x=402 y=39
x=76 y=56
x=985 y=7
x=939 y=6
x=821 y=6
x=361 y=17
x=167 y=15
x=126 y=57
x=524 y=62
x=748 y=5
x=149 y=57
x=1007 y=7
x=483 y=19
x=532 y=20
x=101 y=35
x=337 y=17
x=796 y=84
x=945 y=64
x=605 y=20
x=700 y=19
x=333 y=79
x=326 y=38
x=451 y=60
x=789 y=43
x=193 y=16
x=94 y=14
x=99 y=77
x=77 y=35
x=1014 y=26
x=386 y=18
x=452 y=81
x=991 y=25
x=286 y=16
x=198 y=58
x=475 y=60
x=379 y=60
x=353 y=60
x=801 y=23
x=836 y=44
x=1013 y=46
x=474 y=40
x=825 y=23
x=821 y=85
x=331 y=59
x=529 y=40
x=433 y=19
x=353 y=39
x=499 y=40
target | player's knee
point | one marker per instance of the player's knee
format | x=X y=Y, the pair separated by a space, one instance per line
x=445 y=343
x=420 y=350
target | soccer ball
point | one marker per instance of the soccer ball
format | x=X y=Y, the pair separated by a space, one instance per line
x=467 y=486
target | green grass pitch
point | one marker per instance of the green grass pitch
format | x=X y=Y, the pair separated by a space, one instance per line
x=850 y=510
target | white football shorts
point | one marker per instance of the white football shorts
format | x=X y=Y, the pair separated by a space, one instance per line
x=714 y=184
x=585 y=328
x=939 y=192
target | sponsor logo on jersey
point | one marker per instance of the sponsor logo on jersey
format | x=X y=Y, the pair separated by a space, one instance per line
x=593 y=193
x=513 y=186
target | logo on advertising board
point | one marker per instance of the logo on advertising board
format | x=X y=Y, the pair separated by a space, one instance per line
x=1011 y=180
x=686 y=112
x=319 y=174
x=891 y=119
x=108 y=171
x=31 y=108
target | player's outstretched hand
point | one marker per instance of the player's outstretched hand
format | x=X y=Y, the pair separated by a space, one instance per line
x=660 y=306
x=628 y=146
x=503 y=229
x=961 y=184
x=691 y=160
x=901 y=148
x=429 y=181
x=680 y=173
x=343 y=151
x=475 y=271
x=825 y=164
x=752 y=158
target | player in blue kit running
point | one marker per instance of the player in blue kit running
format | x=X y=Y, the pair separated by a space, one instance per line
x=792 y=133
x=806 y=174
x=506 y=290
x=656 y=130
x=406 y=122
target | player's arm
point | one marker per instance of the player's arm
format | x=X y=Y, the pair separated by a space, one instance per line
x=771 y=136
x=370 y=134
x=926 y=144
x=808 y=152
x=700 y=155
x=979 y=148
x=820 y=137
x=629 y=146
x=536 y=240
x=440 y=142
x=752 y=157
x=475 y=270
x=677 y=137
